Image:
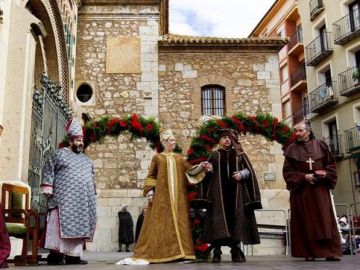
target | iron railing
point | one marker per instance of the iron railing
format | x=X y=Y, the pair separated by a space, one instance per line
x=298 y=75
x=318 y=49
x=315 y=7
x=335 y=145
x=352 y=139
x=349 y=81
x=323 y=97
x=295 y=38
x=347 y=28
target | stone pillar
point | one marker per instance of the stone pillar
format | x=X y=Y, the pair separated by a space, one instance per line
x=17 y=54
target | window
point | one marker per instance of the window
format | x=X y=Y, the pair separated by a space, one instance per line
x=284 y=74
x=286 y=109
x=354 y=15
x=333 y=137
x=213 y=100
x=84 y=92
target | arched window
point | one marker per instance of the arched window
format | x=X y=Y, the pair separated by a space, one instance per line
x=213 y=100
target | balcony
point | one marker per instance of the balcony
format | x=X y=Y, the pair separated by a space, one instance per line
x=323 y=97
x=349 y=82
x=347 y=28
x=352 y=138
x=298 y=80
x=316 y=6
x=296 y=46
x=335 y=145
x=295 y=117
x=318 y=49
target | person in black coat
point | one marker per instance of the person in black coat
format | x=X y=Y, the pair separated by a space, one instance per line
x=139 y=223
x=126 y=231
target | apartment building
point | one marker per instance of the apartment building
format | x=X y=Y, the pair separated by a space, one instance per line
x=283 y=20
x=331 y=36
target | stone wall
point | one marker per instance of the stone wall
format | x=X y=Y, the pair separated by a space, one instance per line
x=120 y=164
x=167 y=86
x=251 y=82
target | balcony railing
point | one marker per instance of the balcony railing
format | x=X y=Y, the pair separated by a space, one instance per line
x=295 y=117
x=347 y=28
x=316 y=6
x=349 y=81
x=318 y=49
x=298 y=75
x=295 y=39
x=323 y=97
x=352 y=138
x=335 y=145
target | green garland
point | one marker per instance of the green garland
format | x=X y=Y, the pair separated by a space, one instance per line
x=262 y=123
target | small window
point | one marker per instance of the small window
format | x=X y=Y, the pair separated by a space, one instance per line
x=84 y=92
x=213 y=100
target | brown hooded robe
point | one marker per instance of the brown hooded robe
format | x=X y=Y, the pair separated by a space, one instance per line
x=313 y=227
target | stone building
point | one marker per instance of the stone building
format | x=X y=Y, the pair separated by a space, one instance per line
x=117 y=57
x=127 y=62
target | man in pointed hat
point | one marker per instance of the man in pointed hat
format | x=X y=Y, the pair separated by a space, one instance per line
x=69 y=184
x=232 y=187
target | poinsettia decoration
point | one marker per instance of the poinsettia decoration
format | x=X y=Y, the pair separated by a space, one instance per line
x=138 y=126
x=262 y=123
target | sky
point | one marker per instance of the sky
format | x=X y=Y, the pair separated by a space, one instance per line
x=217 y=18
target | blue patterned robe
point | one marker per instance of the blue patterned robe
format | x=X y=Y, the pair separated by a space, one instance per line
x=71 y=176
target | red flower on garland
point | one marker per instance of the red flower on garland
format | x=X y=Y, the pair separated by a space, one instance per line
x=207 y=138
x=192 y=196
x=239 y=124
x=196 y=221
x=112 y=123
x=222 y=124
x=123 y=124
x=135 y=124
x=202 y=247
x=265 y=123
x=285 y=129
x=93 y=137
x=190 y=151
x=149 y=127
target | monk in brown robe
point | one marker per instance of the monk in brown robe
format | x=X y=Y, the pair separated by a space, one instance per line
x=310 y=173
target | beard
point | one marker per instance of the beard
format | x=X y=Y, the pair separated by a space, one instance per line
x=77 y=148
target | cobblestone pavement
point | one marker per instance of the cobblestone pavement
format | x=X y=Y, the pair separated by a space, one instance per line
x=107 y=260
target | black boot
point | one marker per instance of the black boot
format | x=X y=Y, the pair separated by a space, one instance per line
x=216 y=255
x=237 y=255
x=74 y=260
x=55 y=258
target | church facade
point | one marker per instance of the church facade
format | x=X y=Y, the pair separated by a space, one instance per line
x=121 y=59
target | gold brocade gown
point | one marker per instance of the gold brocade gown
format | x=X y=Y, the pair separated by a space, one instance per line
x=166 y=233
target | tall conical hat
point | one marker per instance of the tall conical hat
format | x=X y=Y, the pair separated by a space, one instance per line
x=74 y=129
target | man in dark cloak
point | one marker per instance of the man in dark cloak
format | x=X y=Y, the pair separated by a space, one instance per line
x=310 y=173
x=126 y=229
x=139 y=223
x=232 y=187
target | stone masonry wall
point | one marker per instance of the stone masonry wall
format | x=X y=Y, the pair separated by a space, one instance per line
x=121 y=164
x=251 y=83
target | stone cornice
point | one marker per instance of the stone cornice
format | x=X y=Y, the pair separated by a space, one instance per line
x=119 y=2
x=173 y=42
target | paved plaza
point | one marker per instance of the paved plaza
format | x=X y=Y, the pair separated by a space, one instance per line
x=107 y=260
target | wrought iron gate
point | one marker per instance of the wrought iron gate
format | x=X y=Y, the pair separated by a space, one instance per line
x=49 y=117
